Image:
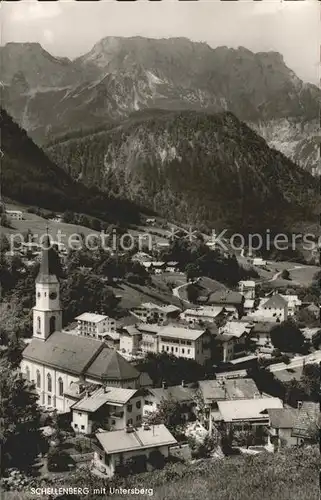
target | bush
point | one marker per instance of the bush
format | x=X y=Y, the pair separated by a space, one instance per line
x=59 y=461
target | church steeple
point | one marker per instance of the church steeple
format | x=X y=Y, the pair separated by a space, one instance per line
x=47 y=314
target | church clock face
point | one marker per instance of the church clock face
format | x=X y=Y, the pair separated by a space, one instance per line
x=53 y=295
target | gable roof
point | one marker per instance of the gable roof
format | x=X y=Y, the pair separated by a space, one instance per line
x=276 y=301
x=171 y=331
x=139 y=439
x=226 y=297
x=247 y=409
x=242 y=388
x=92 y=317
x=176 y=392
x=282 y=418
x=67 y=352
x=103 y=395
x=80 y=356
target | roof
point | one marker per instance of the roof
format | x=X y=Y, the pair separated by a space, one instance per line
x=246 y=409
x=80 y=355
x=176 y=392
x=172 y=263
x=236 y=328
x=226 y=297
x=275 y=301
x=110 y=365
x=70 y=353
x=250 y=357
x=111 y=395
x=282 y=418
x=262 y=327
x=169 y=308
x=204 y=311
x=91 y=317
x=307 y=418
x=46 y=272
x=242 y=388
x=171 y=331
x=149 y=328
x=248 y=283
x=139 y=439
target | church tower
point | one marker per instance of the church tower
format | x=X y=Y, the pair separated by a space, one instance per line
x=47 y=313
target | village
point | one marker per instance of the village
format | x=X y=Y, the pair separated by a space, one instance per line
x=93 y=377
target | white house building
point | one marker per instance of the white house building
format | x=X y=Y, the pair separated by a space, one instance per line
x=14 y=214
x=185 y=342
x=95 y=325
x=116 y=449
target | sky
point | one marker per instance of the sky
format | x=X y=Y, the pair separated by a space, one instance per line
x=69 y=28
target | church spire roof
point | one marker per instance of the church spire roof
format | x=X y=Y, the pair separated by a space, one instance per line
x=47 y=269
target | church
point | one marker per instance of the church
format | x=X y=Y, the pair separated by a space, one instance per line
x=62 y=365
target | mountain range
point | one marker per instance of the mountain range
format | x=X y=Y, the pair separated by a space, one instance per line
x=51 y=96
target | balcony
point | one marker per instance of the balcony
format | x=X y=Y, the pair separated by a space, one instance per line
x=117 y=414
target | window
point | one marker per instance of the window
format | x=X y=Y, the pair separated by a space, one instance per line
x=172 y=349
x=38 y=324
x=167 y=348
x=38 y=378
x=49 y=400
x=49 y=383
x=76 y=425
x=188 y=351
x=52 y=324
x=79 y=414
x=82 y=427
x=183 y=350
x=130 y=421
x=27 y=373
x=138 y=418
x=189 y=342
x=113 y=422
x=129 y=408
x=176 y=349
x=60 y=386
x=38 y=295
x=138 y=405
x=163 y=348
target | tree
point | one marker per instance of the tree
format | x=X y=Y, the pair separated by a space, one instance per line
x=310 y=381
x=4 y=243
x=288 y=337
x=192 y=293
x=20 y=436
x=169 y=413
x=192 y=271
x=285 y=274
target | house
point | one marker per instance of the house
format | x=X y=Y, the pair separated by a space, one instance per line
x=258 y=261
x=224 y=389
x=112 y=408
x=182 y=394
x=202 y=313
x=139 y=447
x=281 y=423
x=149 y=338
x=55 y=359
x=230 y=300
x=57 y=219
x=142 y=257
x=308 y=422
x=129 y=339
x=237 y=413
x=227 y=346
x=273 y=309
x=313 y=309
x=14 y=214
x=293 y=302
x=152 y=313
x=187 y=343
x=111 y=339
x=95 y=325
x=261 y=333
x=247 y=289
x=172 y=267
x=234 y=335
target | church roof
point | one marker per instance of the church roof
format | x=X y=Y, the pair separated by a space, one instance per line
x=47 y=270
x=109 y=364
x=80 y=356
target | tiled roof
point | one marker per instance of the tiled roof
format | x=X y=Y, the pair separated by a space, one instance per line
x=276 y=301
x=226 y=297
x=110 y=395
x=70 y=353
x=242 y=388
x=283 y=418
x=139 y=439
x=80 y=355
x=91 y=317
x=110 y=365
x=246 y=409
x=180 y=332
x=176 y=392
